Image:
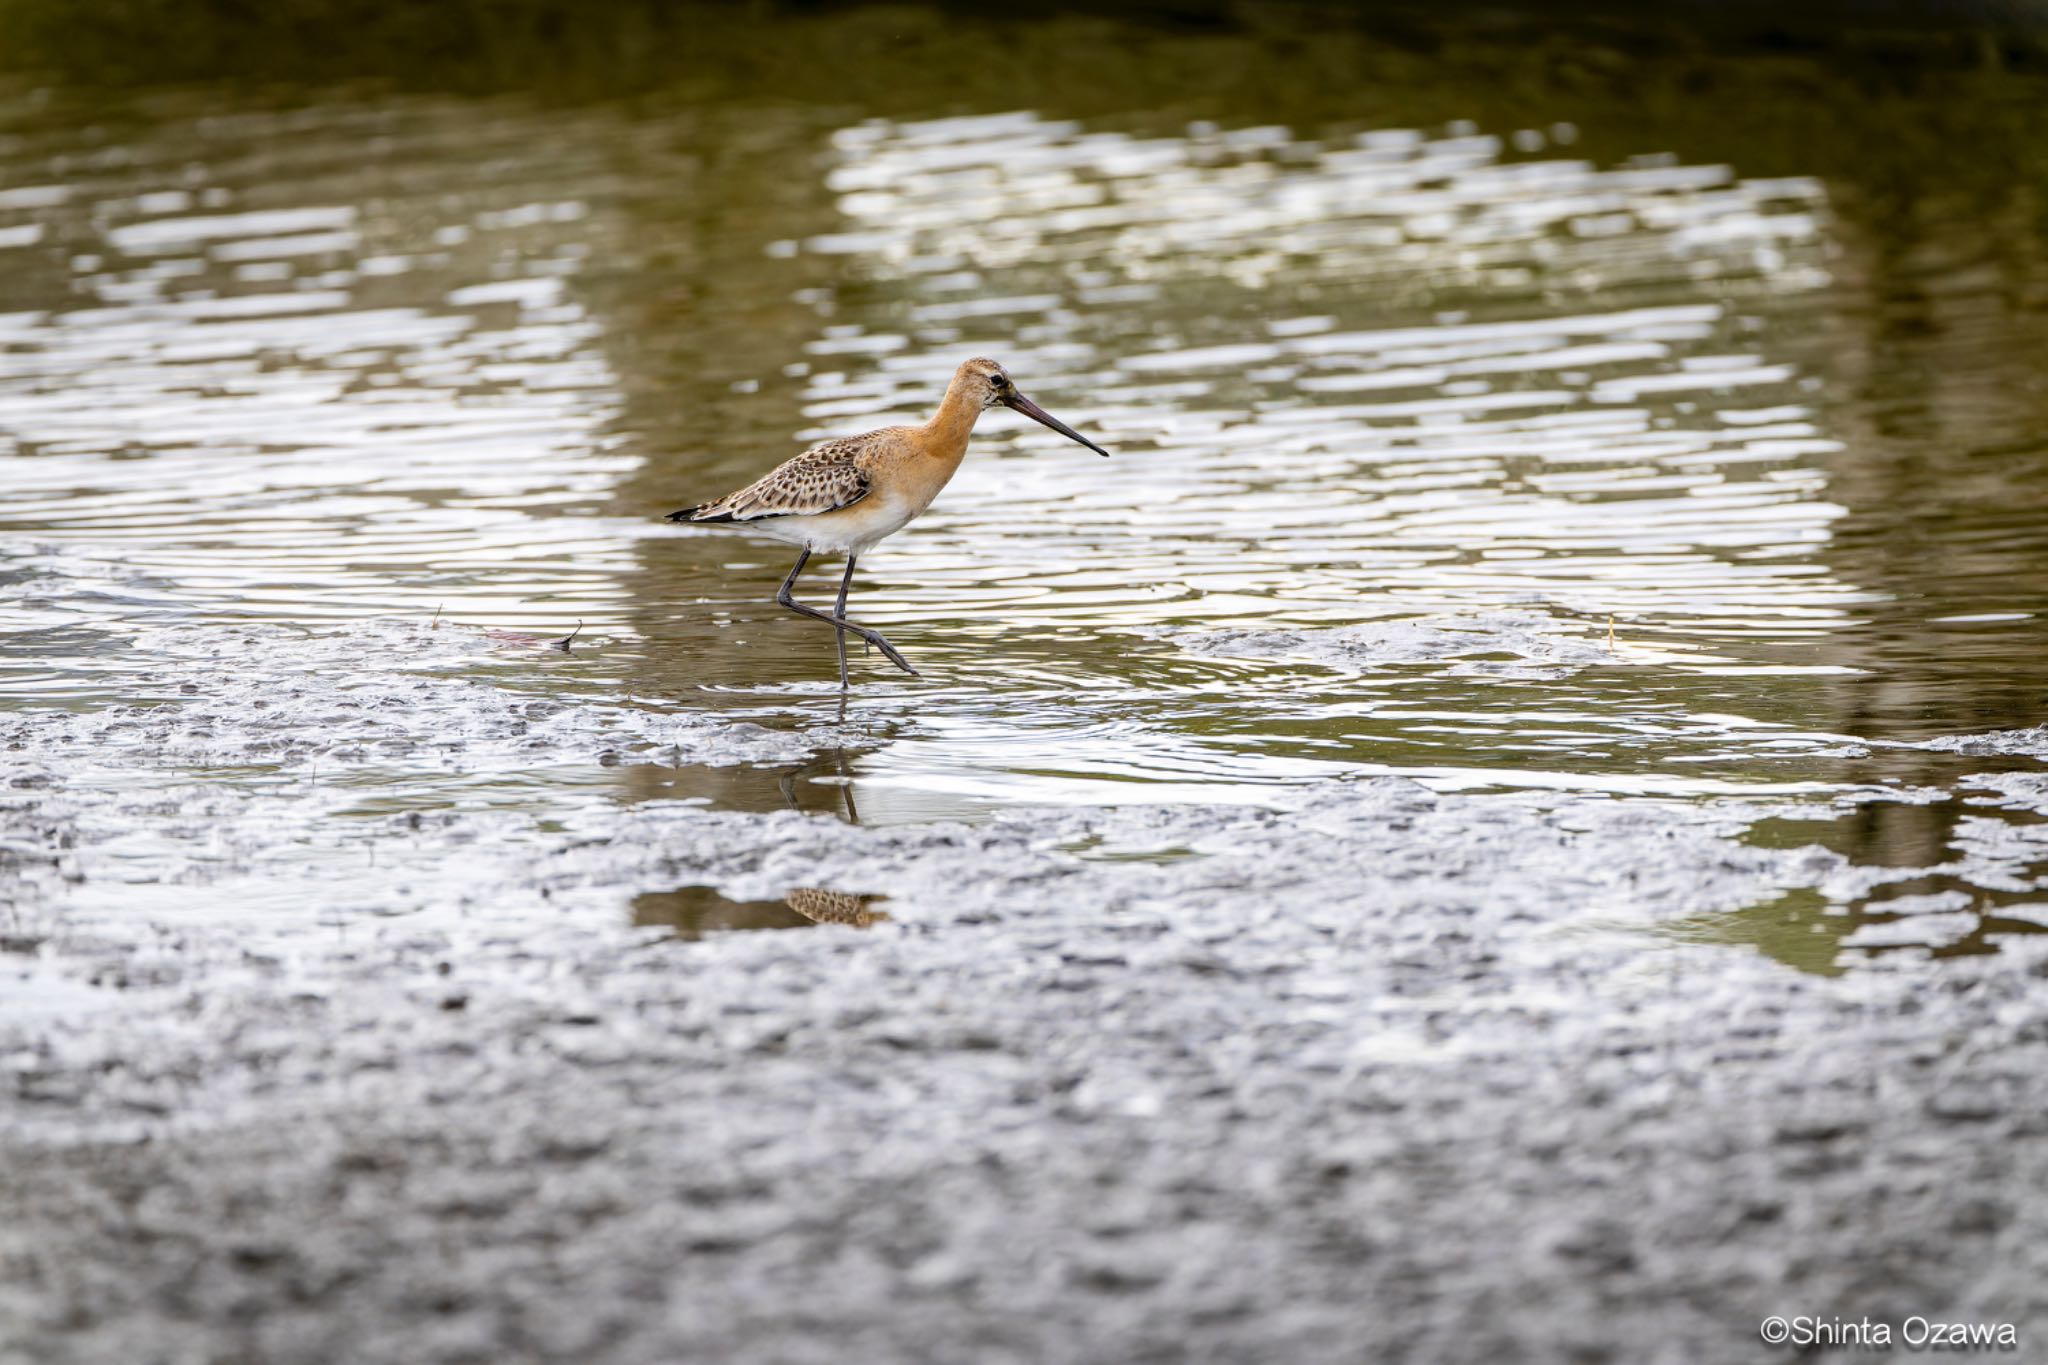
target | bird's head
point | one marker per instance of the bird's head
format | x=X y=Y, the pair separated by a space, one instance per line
x=990 y=384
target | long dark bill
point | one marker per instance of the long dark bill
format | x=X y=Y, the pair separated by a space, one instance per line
x=1038 y=414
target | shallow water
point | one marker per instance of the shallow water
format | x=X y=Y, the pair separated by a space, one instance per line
x=1554 y=455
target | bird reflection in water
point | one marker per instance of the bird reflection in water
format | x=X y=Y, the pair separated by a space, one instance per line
x=693 y=912
x=820 y=785
x=835 y=907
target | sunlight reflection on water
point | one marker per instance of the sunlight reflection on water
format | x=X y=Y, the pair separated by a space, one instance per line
x=1640 y=459
x=312 y=411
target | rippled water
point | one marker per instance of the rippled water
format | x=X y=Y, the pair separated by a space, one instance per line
x=1518 y=456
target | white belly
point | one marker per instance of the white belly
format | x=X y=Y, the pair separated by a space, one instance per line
x=845 y=532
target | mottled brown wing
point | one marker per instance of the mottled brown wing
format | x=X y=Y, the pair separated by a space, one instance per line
x=824 y=478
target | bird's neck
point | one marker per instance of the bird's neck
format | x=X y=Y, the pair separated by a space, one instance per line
x=947 y=432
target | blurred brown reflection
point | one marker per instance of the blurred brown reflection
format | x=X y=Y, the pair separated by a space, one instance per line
x=706 y=322
x=695 y=911
x=1934 y=337
x=1937 y=331
x=1805 y=930
x=820 y=785
x=701 y=320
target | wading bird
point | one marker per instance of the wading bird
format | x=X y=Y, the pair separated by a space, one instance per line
x=839 y=497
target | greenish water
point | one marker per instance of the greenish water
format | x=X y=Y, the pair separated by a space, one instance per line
x=1617 y=417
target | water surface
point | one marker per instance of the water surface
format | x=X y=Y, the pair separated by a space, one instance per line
x=1561 y=454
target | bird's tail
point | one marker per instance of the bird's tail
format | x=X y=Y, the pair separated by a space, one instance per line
x=701 y=513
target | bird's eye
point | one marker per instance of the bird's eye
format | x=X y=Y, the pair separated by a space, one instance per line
x=999 y=380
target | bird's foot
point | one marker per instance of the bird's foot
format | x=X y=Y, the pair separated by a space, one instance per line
x=874 y=637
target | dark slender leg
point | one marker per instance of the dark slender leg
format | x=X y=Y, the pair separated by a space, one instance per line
x=845 y=582
x=873 y=637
